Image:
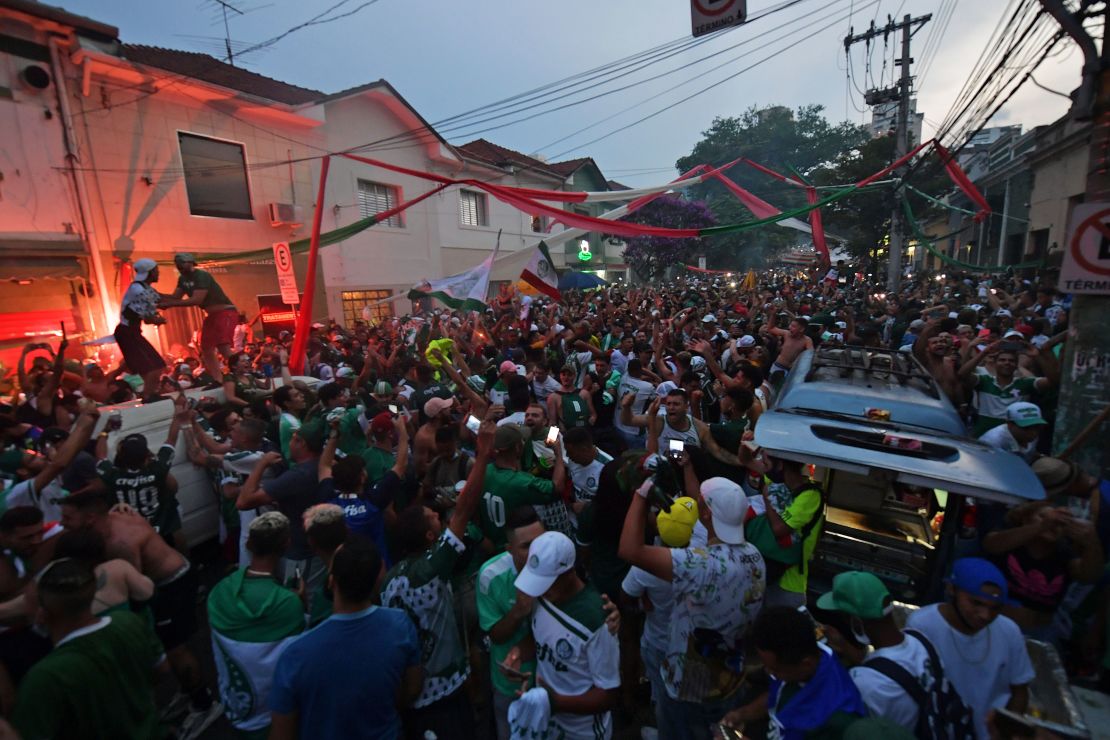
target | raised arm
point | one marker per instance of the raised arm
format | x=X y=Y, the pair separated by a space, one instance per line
x=467 y=503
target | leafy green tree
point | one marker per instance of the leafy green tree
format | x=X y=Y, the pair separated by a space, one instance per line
x=778 y=138
x=863 y=219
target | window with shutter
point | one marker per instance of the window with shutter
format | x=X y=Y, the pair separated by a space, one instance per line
x=472 y=208
x=374 y=197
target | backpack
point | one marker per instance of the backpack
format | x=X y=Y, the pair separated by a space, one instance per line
x=942 y=713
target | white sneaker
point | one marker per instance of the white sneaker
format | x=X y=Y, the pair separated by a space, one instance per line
x=198 y=720
x=177 y=707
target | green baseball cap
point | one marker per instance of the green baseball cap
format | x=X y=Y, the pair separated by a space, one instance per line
x=857 y=593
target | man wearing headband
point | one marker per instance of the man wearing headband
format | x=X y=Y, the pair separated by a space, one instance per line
x=983 y=652
x=198 y=288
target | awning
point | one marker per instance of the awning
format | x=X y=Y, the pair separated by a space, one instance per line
x=42 y=257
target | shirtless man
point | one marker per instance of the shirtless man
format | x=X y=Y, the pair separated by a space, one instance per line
x=130 y=537
x=675 y=424
x=932 y=349
x=794 y=343
x=438 y=412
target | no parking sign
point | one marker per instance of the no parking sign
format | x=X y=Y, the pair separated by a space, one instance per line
x=1086 y=265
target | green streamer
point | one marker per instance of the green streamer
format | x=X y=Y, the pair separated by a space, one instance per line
x=937 y=201
x=301 y=246
x=918 y=234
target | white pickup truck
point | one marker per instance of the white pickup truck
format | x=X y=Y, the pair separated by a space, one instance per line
x=195 y=498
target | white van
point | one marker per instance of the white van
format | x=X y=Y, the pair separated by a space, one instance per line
x=195 y=498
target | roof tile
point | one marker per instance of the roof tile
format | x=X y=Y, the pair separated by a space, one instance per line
x=209 y=69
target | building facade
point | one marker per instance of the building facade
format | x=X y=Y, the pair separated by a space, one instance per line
x=111 y=152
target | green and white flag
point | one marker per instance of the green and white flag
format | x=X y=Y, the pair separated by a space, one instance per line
x=466 y=291
x=253 y=620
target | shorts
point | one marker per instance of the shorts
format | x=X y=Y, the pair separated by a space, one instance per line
x=174 y=606
x=219 y=328
x=139 y=354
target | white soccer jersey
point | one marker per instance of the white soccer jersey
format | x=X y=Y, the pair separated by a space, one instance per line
x=575 y=652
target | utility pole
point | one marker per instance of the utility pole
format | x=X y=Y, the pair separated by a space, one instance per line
x=900 y=94
x=1084 y=391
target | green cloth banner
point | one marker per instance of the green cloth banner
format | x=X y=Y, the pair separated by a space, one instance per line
x=918 y=234
x=298 y=247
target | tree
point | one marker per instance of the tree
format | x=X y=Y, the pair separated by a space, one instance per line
x=863 y=219
x=649 y=256
x=780 y=139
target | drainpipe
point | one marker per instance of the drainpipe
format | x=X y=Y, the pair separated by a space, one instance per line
x=83 y=207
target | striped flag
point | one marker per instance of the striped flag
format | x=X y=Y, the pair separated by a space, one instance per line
x=540 y=273
x=466 y=291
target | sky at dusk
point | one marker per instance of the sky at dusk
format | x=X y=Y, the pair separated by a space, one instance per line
x=448 y=58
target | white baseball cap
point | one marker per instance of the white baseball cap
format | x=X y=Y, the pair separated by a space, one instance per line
x=728 y=506
x=709 y=319
x=746 y=341
x=550 y=556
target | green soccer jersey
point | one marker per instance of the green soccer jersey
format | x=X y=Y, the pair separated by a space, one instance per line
x=201 y=280
x=96 y=682
x=145 y=490
x=506 y=490
x=420 y=586
x=802 y=514
x=378 y=462
x=286 y=426
x=992 y=400
x=496 y=598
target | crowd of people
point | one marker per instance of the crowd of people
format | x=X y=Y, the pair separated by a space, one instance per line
x=547 y=519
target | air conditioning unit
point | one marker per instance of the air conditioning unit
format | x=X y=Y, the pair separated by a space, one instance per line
x=285 y=214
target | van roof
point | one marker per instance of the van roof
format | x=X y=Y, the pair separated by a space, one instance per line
x=853 y=380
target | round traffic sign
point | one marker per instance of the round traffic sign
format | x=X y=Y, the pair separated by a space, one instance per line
x=284 y=259
x=1087 y=243
x=705 y=6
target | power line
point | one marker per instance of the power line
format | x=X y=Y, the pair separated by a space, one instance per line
x=695 y=94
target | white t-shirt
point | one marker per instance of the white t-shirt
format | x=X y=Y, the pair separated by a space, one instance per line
x=883 y=696
x=657 y=621
x=719 y=587
x=546 y=388
x=619 y=360
x=517 y=417
x=1001 y=438
x=982 y=667
x=24 y=494
x=586 y=477
x=574 y=653
x=644 y=391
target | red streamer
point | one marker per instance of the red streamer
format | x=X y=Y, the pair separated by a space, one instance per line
x=895 y=165
x=772 y=173
x=759 y=207
x=958 y=176
x=304 y=318
x=817 y=226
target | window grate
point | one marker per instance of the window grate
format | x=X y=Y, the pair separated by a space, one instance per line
x=355 y=300
x=472 y=208
x=374 y=198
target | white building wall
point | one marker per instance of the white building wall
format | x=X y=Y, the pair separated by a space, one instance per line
x=35 y=191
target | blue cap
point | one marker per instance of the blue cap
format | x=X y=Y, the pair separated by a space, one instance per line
x=971 y=574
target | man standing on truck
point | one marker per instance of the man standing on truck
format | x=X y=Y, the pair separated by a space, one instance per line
x=198 y=288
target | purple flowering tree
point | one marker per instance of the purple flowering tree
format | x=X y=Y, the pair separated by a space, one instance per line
x=649 y=256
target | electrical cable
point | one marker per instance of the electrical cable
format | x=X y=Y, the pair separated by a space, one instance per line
x=695 y=94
